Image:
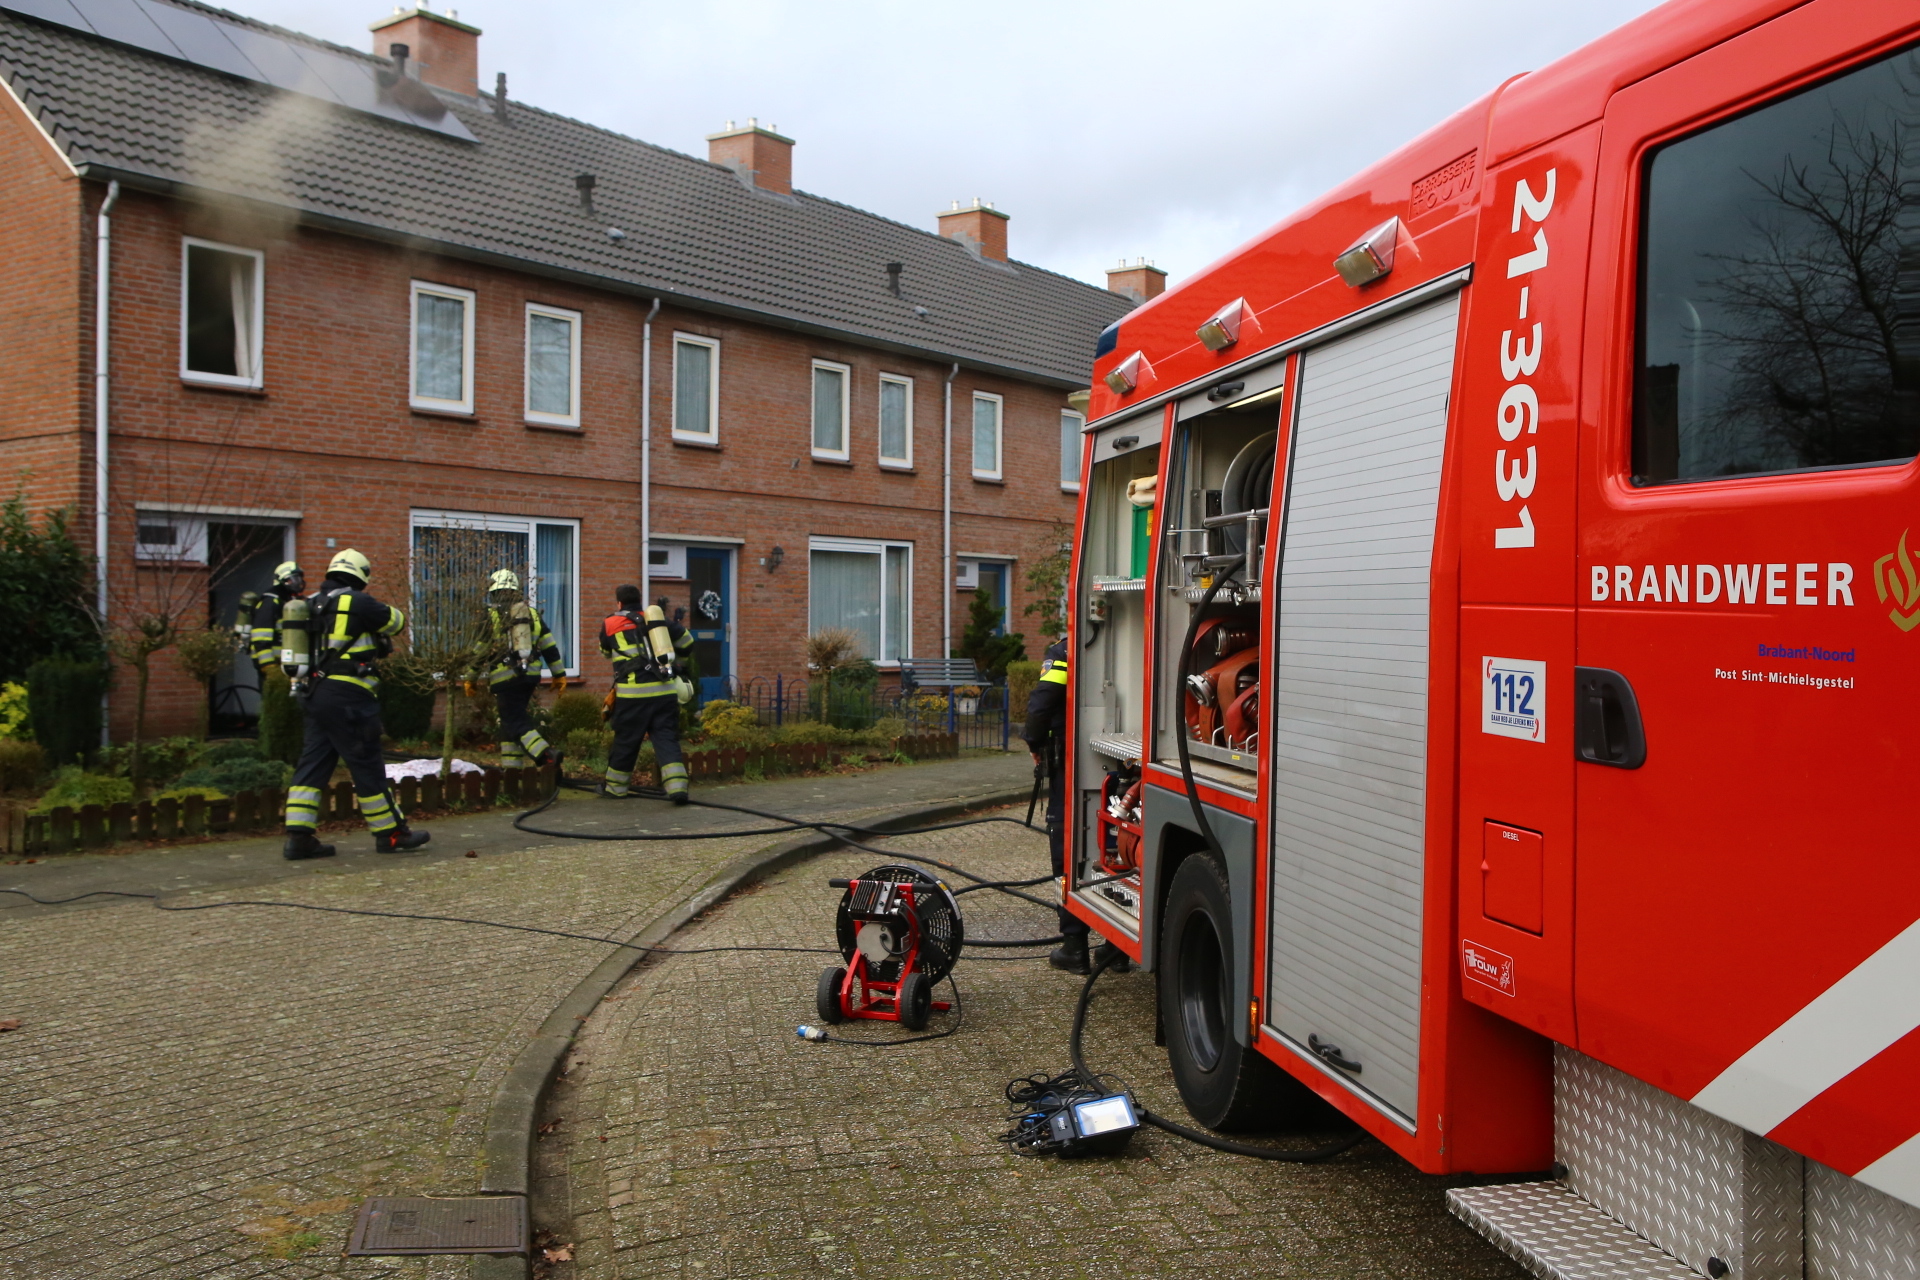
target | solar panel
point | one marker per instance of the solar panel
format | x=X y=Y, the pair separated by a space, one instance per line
x=249 y=54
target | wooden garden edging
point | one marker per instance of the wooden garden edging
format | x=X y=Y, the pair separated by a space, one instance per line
x=93 y=826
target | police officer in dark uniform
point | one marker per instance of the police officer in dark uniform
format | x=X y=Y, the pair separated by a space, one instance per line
x=1046 y=733
x=350 y=631
x=648 y=691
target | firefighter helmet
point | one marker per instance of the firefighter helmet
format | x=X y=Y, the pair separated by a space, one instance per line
x=503 y=580
x=285 y=572
x=353 y=565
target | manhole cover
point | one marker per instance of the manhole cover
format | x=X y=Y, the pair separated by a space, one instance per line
x=390 y=1225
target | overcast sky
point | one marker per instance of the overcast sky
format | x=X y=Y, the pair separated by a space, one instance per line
x=1172 y=130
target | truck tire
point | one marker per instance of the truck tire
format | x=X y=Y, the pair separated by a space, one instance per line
x=1225 y=1085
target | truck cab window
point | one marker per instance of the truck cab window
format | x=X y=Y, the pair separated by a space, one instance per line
x=1780 y=286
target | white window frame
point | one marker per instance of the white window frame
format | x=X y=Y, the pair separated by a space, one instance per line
x=573 y=319
x=431 y=403
x=845 y=452
x=422 y=518
x=999 y=404
x=257 y=347
x=712 y=434
x=879 y=423
x=877 y=548
x=1077 y=451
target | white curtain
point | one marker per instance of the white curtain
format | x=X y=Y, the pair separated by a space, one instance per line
x=986 y=435
x=439 y=343
x=692 y=385
x=550 y=365
x=241 y=276
x=843 y=590
x=829 y=431
x=893 y=421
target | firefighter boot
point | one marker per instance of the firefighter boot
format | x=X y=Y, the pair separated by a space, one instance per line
x=1071 y=955
x=673 y=777
x=304 y=844
x=1118 y=964
x=399 y=840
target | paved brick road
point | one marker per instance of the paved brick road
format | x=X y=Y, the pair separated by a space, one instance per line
x=699 y=1138
x=209 y=1094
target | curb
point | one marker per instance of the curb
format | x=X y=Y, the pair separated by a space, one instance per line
x=515 y=1110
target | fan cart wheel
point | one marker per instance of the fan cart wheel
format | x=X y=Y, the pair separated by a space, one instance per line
x=1226 y=1085
x=916 y=1001
x=826 y=995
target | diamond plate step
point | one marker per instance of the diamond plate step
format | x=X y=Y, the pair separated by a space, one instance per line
x=1558 y=1236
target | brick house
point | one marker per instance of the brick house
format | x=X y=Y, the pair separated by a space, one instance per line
x=352 y=300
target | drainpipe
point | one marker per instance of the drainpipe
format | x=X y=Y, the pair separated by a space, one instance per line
x=646 y=455
x=946 y=524
x=102 y=295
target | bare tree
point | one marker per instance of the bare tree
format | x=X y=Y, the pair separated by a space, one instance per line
x=449 y=645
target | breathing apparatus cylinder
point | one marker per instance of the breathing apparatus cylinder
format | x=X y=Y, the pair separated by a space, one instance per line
x=659 y=638
x=243 y=619
x=520 y=631
x=296 y=638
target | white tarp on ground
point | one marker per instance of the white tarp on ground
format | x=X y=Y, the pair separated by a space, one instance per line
x=426 y=769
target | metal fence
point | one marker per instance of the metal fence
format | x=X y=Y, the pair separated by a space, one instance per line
x=980 y=721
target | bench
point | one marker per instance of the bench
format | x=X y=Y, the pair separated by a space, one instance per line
x=938 y=673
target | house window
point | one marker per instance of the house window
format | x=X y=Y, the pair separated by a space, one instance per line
x=164 y=537
x=222 y=291
x=553 y=366
x=455 y=552
x=1071 y=425
x=986 y=436
x=442 y=348
x=865 y=587
x=829 y=410
x=696 y=389
x=896 y=421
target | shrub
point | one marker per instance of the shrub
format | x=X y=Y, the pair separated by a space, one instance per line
x=73 y=787
x=165 y=759
x=181 y=793
x=574 y=710
x=588 y=746
x=283 y=718
x=731 y=724
x=990 y=651
x=406 y=712
x=1022 y=676
x=13 y=711
x=812 y=731
x=236 y=771
x=45 y=584
x=21 y=764
x=63 y=705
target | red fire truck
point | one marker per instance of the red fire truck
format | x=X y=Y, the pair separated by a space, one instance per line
x=1496 y=622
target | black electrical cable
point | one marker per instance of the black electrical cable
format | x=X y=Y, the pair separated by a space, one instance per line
x=1180 y=735
x=160 y=905
x=1309 y=1156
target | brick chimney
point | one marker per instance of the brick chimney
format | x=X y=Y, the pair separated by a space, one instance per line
x=759 y=155
x=978 y=224
x=1140 y=281
x=446 y=50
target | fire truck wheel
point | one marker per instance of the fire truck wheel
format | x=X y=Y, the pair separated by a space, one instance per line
x=826 y=995
x=1225 y=1085
x=916 y=1001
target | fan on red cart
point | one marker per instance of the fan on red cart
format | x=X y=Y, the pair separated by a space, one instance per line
x=1223 y=700
x=1046 y=738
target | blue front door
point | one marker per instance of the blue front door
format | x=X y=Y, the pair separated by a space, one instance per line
x=710 y=617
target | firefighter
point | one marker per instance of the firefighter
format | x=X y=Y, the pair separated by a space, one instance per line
x=1046 y=738
x=520 y=636
x=648 y=691
x=260 y=615
x=348 y=632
